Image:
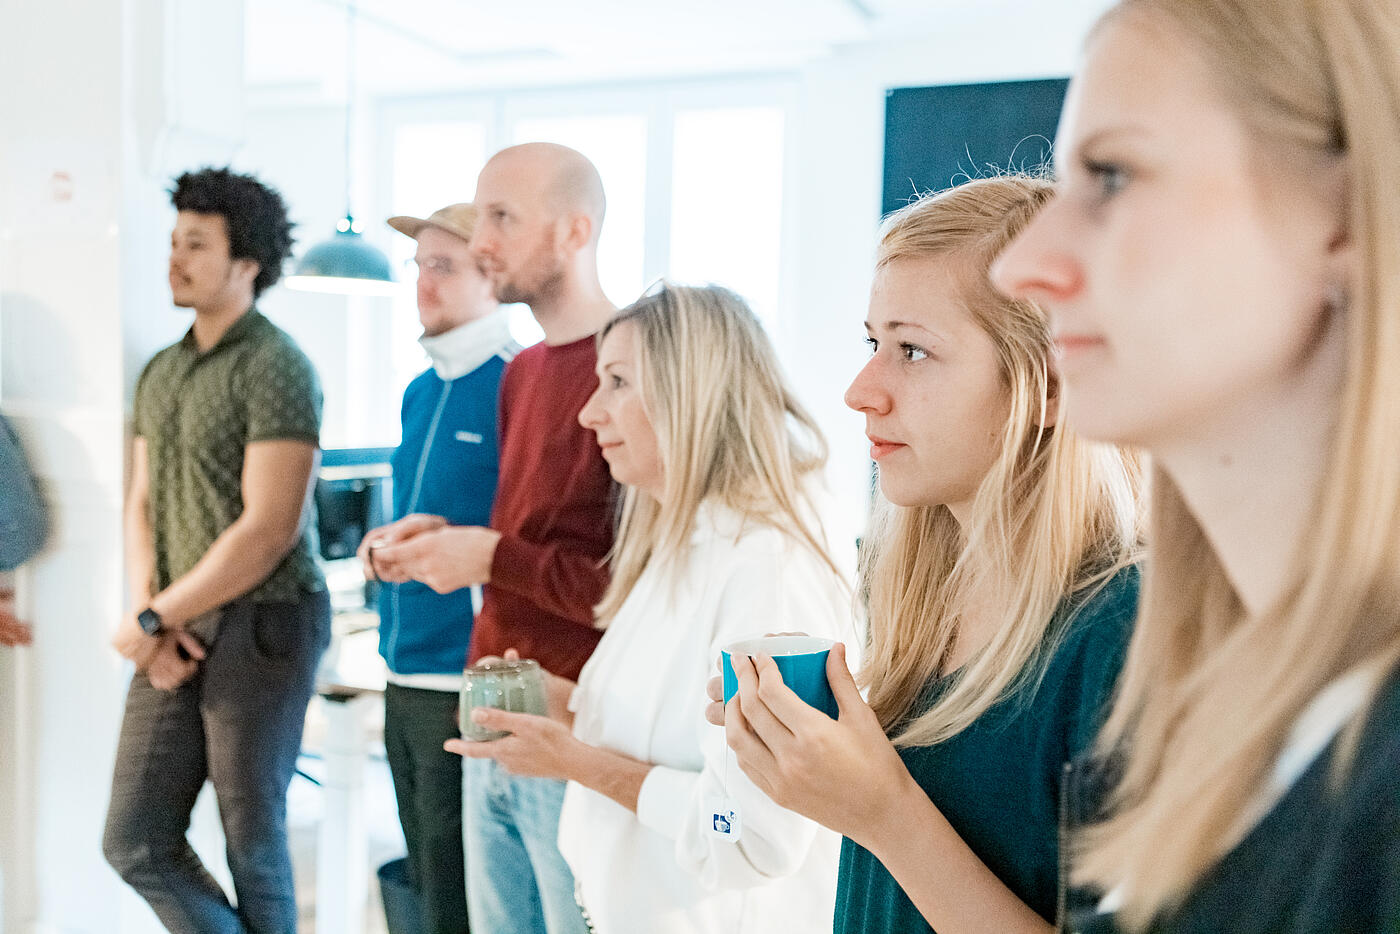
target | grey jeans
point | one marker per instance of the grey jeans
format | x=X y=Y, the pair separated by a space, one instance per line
x=236 y=723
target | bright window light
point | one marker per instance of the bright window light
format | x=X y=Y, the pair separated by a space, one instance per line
x=435 y=164
x=727 y=204
x=617 y=145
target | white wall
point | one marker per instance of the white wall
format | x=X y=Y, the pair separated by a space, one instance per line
x=103 y=100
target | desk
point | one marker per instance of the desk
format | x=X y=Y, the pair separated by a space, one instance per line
x=349 y=685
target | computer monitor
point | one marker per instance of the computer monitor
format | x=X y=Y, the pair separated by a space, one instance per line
x=354 y=493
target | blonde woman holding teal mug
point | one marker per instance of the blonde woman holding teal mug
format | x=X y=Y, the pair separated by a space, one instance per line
x=1001 y=586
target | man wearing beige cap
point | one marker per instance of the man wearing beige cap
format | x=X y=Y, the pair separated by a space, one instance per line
x=445 y=466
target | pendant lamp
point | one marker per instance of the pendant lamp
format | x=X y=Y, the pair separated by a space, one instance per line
x=346 y=264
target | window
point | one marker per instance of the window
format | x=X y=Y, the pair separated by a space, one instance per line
x=693 y=171
x=435 y=164
x=617 y=145
x=726 y=202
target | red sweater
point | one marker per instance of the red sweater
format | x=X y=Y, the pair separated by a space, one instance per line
x=554 y=509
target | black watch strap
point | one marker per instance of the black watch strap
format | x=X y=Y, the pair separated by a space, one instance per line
x=150 y=621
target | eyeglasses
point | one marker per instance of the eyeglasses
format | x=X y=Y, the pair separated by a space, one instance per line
x=439 y=266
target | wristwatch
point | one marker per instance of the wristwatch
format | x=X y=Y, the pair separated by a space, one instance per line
x=151 y=623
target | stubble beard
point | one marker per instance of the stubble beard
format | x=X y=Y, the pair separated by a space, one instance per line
x=541 y=277
x=532 y=293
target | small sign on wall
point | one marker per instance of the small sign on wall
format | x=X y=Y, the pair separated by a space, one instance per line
x=58 y=185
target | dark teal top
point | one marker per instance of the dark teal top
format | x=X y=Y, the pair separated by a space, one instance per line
x=999 y=782
x=1324 y=860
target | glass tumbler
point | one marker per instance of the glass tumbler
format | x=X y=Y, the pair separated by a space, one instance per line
x=517 y=686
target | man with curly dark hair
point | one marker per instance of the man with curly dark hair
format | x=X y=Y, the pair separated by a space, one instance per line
x=229 y=613
x=255 y=218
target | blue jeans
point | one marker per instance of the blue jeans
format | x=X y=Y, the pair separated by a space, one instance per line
x=517 y=880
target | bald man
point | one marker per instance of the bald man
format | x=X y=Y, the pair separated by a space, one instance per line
x=536 y=240
x=539 y=245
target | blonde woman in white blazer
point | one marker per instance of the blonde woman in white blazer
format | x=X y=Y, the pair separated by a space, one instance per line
x=717 y=541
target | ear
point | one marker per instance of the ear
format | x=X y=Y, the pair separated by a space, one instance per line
x=578 y=231
x=247 y=270
x=1051 y=415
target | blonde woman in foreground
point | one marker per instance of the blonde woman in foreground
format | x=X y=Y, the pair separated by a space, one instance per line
x=1222 y=267
x=1001 y=588
x=717 y=541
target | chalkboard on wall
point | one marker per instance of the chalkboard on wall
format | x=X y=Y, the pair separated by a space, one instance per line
x=937 y=137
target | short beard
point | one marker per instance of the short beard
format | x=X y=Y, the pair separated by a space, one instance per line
x=540 y=278
x=545 y=286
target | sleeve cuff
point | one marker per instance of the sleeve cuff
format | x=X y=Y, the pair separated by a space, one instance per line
x=288 y=434
x=664 y=802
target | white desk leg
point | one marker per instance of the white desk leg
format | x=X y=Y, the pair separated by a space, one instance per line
x=342 y=853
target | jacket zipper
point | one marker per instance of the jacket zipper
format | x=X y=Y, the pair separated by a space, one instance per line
x=412 y=506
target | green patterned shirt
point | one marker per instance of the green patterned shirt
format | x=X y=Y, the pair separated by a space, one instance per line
x=198 y=412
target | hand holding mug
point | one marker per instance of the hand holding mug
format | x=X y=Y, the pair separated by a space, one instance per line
x=714 y=688
x=842 y=773
x=515 y=712
x=534 y=745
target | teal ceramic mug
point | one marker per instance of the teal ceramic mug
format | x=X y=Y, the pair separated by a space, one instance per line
x=517 y=686
x=801 y=660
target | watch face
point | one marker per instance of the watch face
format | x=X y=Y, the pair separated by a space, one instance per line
x=149 y=620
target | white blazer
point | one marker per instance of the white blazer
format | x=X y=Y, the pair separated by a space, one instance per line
x=643 y=694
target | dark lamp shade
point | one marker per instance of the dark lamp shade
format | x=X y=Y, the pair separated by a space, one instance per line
x=344 y=264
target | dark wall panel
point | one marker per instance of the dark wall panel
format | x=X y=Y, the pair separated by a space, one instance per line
x=938 y=136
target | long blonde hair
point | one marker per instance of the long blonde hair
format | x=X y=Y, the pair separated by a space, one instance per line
x=1055 y=515
x=728 y=428
x=1209 y=693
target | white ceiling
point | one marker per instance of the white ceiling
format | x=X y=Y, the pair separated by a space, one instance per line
x=296 y=49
